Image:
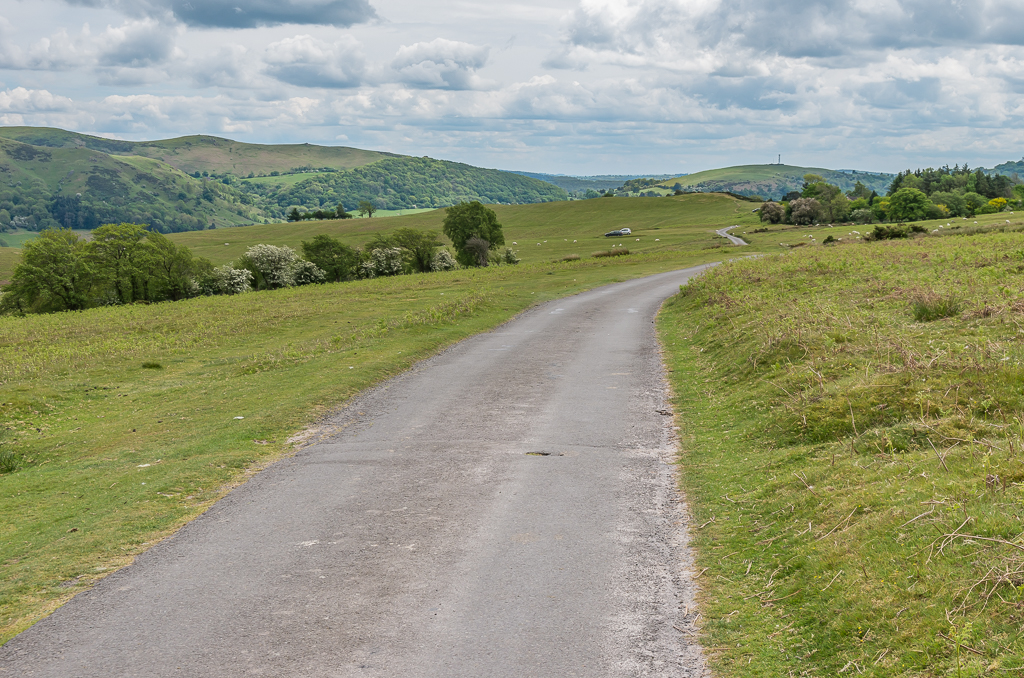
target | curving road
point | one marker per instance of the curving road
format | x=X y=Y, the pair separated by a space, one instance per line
x=506 y=508
x=735 y=240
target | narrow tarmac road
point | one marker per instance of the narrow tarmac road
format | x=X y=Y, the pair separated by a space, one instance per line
x=506 y=508
x=735 y=240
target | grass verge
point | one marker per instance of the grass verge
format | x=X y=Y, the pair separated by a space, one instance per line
x=856 y=473
x=120 y=424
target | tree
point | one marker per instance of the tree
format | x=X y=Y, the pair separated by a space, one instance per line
x=860 y=191
x=908 y=204
x=805 y=211
x=120 y=256
x=772 y=212
x=175 y=270
x=953 y=202
x=419 y=247
x=340 y=213
x=367 y=208
x=55 y=274
x=472 y=220
x=337 y=260
x=294 y=215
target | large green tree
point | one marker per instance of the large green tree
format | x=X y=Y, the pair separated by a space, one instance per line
x=336 y=259
x=908 y=204
x=55 y=274
x=173 y=270
x=419 y=247
x=472 y=220
x=121 y=258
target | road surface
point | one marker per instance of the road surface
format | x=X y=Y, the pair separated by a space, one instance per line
x=724 y=232
x=506 y=508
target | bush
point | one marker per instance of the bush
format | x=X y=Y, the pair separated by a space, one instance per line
x=509 y=257
x=772 y=212
x=226 y=280
x=443 y=261
x=862 y=216
x=805 y=211
x=307 y=273
x=382 y=262
x=617 y=252
x=571 y=257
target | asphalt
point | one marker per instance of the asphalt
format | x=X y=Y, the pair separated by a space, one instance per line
x=735 y=240
x=506 y=508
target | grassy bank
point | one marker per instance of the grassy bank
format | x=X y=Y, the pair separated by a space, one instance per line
x=853 y=423
x=129 y=421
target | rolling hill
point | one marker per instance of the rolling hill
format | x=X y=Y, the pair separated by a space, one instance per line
x=773 y=181
x=51 y=177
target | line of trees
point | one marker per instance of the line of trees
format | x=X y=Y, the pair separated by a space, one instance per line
x=129 y=263
x=912 y=196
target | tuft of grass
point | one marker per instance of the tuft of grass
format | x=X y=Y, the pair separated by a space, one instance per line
x=856 y=480
x=571 y=257
x=928 y=308
x=9 y=462
x=150 y=365
x=618 y=252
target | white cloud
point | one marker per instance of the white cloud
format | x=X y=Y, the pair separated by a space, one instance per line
x=441 y=64
x=306 y=61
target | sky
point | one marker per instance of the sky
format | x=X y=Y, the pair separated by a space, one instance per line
x=559 y=86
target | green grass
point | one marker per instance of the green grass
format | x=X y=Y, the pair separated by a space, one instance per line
x=856 y=475
x=115 y=453
x=541 y=232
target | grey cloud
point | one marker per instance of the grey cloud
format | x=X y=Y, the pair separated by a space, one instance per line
x=243 y=13
x=137 y=44
x=900 y=93
x=309 y=62
x=441 y=64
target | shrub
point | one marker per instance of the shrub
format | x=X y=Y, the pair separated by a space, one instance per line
x=509 y=256
x=382 y=262
x=927 y=308
x=618 y=252
x=805 y=211
x=443 y=261
x=772 y=212
x=571 y=257
x=226 y=280
x=888 y=232
x=307 y=273
x=272 y=267
x=862 y=216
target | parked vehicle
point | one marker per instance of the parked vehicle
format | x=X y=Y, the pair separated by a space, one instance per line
x=612 y=234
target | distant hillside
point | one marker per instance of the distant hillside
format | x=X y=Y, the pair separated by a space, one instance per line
x=51 y=177
x=82 y=188
x=773 y=181
x=580 y=184
x=1008 y=169
x=205 y=153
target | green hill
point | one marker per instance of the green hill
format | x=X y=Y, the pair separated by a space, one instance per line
x=773 y=181
x=54 y=177
x=201 y=153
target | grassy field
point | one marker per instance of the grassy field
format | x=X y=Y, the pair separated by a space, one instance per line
x=853 y=422
x=115 y=455
x=541 y=232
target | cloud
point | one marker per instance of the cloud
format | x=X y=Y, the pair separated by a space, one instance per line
x=310 y=62
x=136 y=43
x=21 y=100
x=243 y=13
x=441 y=64
x=58 y=52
